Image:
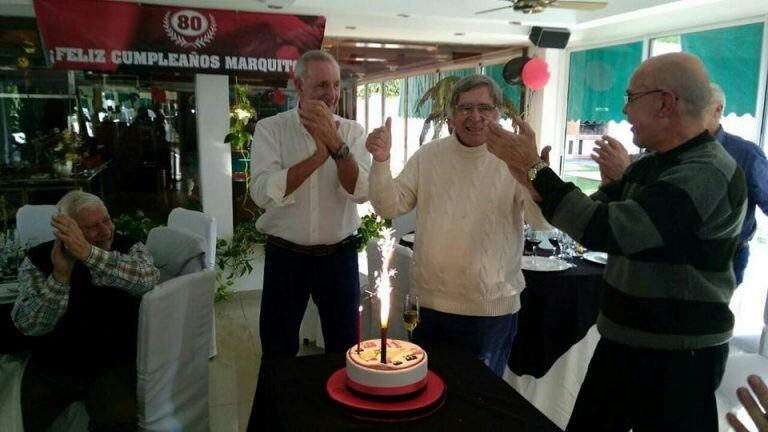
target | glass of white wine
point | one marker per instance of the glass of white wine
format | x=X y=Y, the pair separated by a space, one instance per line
x=411 y=314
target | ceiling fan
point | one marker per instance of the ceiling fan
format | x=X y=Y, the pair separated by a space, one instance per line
x=536 y=6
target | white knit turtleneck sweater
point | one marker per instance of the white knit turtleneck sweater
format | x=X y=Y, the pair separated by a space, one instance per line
x=469 y=226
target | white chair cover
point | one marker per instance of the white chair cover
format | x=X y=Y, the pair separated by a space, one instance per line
x=404 y=224
x=175 y=252
x=205 y=226
x=172 y=362
x=199 y=223
x=33 y=224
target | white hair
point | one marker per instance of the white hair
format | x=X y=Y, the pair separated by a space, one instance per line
x=301 y=69
x=717 y=95
x=71 y=203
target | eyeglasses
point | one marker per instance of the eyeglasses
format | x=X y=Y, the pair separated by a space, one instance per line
x=485 y=110
x=630 y=97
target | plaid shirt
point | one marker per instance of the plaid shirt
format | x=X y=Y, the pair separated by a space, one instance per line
x=43 y=300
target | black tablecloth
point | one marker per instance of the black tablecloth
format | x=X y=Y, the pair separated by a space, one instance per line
x=291 y=396
x=557 y=310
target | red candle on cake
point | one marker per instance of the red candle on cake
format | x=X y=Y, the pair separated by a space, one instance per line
x=359 y=325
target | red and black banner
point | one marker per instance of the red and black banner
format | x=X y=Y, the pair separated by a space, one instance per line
x=109 y=35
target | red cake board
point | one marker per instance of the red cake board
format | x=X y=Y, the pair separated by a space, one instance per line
x=431 y=399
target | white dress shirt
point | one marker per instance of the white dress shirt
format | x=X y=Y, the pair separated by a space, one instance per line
x=320 y=211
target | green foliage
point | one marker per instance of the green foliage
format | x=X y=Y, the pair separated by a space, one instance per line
x=391 y=88
x=136 y=227
x=233 y=258
x=370 y=227
x=240 y=113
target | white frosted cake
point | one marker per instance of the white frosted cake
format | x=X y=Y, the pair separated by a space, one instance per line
x=404 y=372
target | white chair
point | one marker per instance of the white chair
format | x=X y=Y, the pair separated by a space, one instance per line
x=33 y=224
x=175 y=252
x=199 y=223
x=401 y=262
x=404 y=224
x=172 y=362
x=205 y=226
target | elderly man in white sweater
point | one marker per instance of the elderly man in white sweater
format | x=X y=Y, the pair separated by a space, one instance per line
x=471 y=211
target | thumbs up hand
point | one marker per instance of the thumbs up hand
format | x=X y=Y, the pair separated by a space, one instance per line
x=379 y=141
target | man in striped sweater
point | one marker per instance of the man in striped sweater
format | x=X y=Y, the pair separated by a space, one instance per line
x=670 y=227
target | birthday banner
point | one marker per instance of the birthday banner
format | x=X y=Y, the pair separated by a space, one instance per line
x=109 y=36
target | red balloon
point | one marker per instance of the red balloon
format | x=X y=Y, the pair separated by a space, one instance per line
x=535 y=74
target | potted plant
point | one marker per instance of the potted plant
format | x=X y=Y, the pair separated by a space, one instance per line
x=234 y=258
x=241 y=114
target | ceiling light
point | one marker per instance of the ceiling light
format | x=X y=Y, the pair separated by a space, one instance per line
x=403 y=15
x=350 y=28
x=459 y=34
x=369 y=59
x=277 y=4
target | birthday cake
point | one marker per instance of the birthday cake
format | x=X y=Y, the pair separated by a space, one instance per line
x=404 y=372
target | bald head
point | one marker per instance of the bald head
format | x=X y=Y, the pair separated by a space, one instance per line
x=683 y=74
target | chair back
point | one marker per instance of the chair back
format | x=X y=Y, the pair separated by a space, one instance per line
x=401 y=262
x=172 y=360
x=199 y=223
x=33 y=224
x=175 y=252
x=404 y=224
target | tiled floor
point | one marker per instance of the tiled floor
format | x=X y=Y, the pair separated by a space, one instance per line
x=234 y=370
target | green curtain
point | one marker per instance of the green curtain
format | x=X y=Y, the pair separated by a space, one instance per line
x=511 y=92
x=417 y=86
x=732 y=58
x=598 y=81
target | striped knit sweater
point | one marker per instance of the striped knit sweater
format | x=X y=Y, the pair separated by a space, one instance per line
x=670 y=227
x=469 y=226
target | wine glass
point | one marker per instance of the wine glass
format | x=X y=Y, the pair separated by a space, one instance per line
x=411 y=314
x=554 y=239
x=533 y=238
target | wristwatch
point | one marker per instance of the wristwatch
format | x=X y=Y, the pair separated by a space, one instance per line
x=534 y=169
x=341 y=153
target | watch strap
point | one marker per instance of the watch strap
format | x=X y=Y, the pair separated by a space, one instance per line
x=534 y=169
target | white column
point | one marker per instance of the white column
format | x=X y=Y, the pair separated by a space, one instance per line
x=548 y=105
x=214 y=156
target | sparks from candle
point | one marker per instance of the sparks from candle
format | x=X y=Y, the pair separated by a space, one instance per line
x=383 y=287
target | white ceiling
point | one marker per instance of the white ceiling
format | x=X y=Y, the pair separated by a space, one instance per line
x=438 y=21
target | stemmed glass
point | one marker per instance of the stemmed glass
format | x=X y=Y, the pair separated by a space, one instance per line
x=411 y=314
x=533 y=237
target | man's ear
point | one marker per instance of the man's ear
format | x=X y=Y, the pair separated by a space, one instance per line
x=297 y=84
x=718 y=111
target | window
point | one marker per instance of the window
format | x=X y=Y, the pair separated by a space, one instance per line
x=732 y=58
x=597 y=81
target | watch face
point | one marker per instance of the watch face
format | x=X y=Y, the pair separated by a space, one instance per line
x=342 y=153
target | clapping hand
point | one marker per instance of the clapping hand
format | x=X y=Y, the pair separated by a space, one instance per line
x=318 y=119
x=379 y=142
x=756 y=412
x=612 y=158
x=66 y=230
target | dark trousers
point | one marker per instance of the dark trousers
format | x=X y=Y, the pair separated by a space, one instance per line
x=290 y=278
x=487 y=338
x=109 y=395
x=649 y=390
x=740 y=259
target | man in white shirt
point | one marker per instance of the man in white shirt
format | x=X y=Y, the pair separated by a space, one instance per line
x=466 y=265
x=309 y=170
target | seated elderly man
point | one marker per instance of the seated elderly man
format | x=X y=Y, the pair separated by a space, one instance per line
x=79 y=296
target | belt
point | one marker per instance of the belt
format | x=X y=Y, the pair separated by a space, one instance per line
x=315 y=250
